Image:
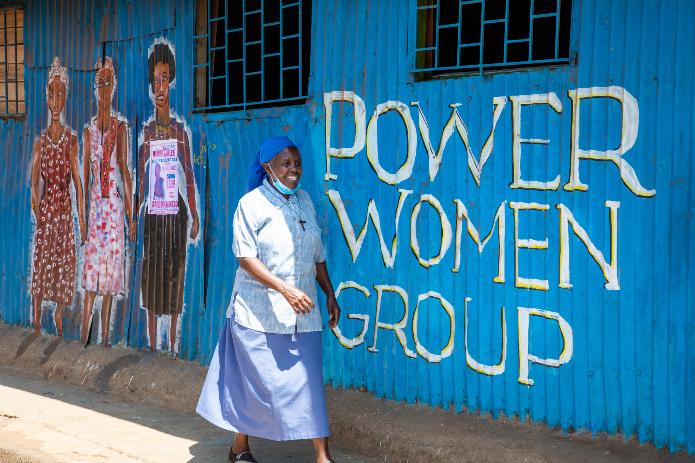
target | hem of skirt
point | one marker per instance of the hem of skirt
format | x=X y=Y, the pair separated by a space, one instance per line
x=220 y=424
x=104 y=292
x=224 y=424
x=162 y=312
x=47 y=298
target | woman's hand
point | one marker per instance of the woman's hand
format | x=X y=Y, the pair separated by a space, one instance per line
x=300 y=302
x=132 y=230
x=83 y=231
x=333 y=311
x=195 y=227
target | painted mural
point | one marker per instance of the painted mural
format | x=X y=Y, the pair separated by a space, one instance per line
x=93 y=267
x=109 y=192
x=170 y=213
x=55 y=183
x=516 y=243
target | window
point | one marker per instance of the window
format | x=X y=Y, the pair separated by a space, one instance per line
x=251 y=53
x=12 y=101
x=456 y=36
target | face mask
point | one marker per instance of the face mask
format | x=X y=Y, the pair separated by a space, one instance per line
x=281 y=186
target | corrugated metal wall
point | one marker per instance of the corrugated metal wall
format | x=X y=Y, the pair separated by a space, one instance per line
x=630 y=369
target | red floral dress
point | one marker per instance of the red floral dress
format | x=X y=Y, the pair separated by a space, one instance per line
x=53 y=276
x=104 y=258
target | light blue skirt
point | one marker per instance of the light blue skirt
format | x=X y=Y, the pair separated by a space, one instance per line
x=266 y=385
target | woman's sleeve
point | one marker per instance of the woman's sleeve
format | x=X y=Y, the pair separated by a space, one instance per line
x=245 y=243
x=320 y=251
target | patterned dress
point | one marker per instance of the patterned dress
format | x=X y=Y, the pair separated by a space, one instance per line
x=104 y=259
x=53 y=276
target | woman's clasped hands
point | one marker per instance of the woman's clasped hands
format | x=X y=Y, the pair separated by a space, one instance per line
x=300 y=302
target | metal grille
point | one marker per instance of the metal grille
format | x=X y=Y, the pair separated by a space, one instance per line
x=480 y=35
x=251 y=53
x=12 y=100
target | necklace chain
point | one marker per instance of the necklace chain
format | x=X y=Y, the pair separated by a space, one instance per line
x=288 y=202
x=57 y=143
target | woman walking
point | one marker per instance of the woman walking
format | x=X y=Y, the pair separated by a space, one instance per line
x=266 y=377
x=54 y=167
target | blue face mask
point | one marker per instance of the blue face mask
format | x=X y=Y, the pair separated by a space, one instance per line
x=281 y=186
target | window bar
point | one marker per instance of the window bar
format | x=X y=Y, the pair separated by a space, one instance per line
x=544 y=15
x=24 y=99
x=482 y=37
x=208 y=100
x=557 y=28
x=262 y=55
x=436 y=36
x=300 y=81
x=458 y=44
x=7 y=85
x=477 y=66
x=16 y=76
x=506 y=30
x=530 y=33
x=226 y=56
x=282 y=73
x=197 y=36
x=243 y=51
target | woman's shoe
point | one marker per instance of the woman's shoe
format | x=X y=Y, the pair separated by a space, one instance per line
x=243 y=456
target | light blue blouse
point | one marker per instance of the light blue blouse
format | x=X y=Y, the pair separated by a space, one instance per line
x=284 y=235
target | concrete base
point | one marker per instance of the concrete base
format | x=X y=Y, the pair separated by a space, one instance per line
x=392 y=431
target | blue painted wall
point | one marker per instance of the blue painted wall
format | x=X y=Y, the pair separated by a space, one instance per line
x=631 y=364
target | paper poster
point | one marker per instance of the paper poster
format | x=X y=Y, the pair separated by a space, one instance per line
x=164 y=186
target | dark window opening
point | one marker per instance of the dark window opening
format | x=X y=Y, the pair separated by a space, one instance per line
x=251 y=54
x=12 y=97
x=455 y=36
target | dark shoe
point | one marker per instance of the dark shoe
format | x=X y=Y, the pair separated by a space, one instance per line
x=243 y=456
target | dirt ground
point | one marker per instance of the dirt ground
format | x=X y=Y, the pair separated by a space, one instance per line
x=9 y=457
x=44 y=421
x=387 y=430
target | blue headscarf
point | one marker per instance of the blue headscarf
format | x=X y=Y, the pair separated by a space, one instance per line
x=266 y=152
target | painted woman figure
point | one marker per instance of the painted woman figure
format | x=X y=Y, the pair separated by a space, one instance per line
x=109 y=190
x=165 y=235
x=54 y=168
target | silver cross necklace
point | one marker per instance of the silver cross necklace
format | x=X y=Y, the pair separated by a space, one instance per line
x=288 y=202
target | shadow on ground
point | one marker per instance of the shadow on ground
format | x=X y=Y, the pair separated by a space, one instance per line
x=211 y=443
